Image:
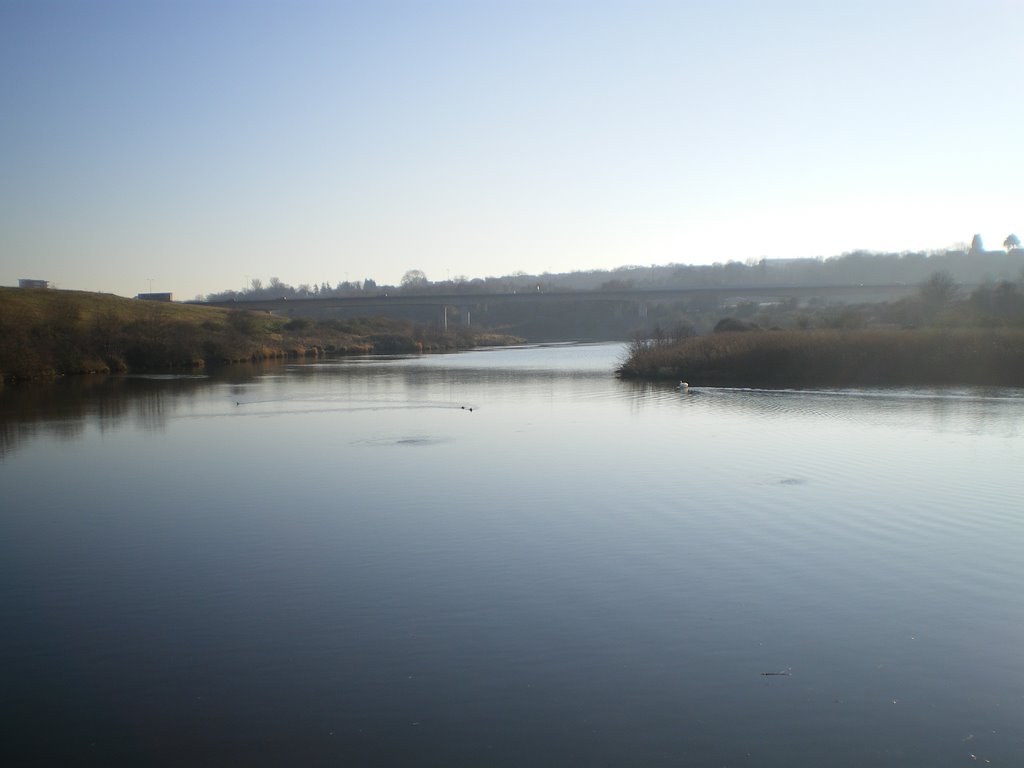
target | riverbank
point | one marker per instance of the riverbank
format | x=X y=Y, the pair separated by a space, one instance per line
x=835 y=358
x=49 y=332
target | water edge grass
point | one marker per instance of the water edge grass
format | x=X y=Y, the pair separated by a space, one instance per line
x=47 y=332
x=835 y=358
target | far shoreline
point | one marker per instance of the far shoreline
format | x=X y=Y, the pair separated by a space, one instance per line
x=827 y=358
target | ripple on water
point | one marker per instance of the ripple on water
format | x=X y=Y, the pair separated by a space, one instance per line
x=411 y=441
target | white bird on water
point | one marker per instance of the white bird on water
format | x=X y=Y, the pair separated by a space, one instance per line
x=683 y=387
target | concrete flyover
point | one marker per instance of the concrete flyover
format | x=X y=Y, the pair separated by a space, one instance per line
x=384 y=300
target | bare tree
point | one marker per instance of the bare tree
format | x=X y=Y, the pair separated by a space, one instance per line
x=937 y=292
x=413 y=278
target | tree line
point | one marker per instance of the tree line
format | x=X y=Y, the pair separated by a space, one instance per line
x=972 y=264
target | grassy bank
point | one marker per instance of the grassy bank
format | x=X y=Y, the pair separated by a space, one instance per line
x=835 y=358
x=48 y=332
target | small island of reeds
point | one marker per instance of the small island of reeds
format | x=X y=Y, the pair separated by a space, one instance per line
x=800 y=359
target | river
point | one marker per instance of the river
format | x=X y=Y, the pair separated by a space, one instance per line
x=507 y=558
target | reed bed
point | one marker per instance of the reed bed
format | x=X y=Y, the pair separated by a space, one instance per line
x=835 y=358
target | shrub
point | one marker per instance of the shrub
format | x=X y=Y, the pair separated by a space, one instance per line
x=731 y=325
x=242 y=321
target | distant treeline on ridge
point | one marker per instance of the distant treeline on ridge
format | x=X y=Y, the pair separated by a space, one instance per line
x=966 y=265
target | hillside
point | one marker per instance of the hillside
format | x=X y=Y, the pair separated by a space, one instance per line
x=51 y=332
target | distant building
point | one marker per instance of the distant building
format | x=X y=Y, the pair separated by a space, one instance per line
x=154 y=296
x=23 y=283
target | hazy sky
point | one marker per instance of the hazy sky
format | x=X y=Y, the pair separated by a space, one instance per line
x=192 y=145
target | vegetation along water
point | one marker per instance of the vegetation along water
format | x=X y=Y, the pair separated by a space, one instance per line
x=48 y=332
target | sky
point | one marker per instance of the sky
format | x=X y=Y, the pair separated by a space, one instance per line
x=191 y=146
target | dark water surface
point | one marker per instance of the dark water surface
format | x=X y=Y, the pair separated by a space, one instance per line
x=341 y=564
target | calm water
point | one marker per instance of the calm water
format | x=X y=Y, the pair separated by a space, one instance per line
x=342 y=564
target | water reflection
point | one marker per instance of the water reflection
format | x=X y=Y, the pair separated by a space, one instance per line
x=974 y=410
x=65 y=408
